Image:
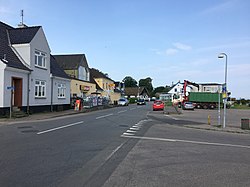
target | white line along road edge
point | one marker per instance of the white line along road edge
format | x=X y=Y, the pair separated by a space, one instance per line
x=187 y=141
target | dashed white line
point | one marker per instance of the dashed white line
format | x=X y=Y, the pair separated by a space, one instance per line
x=104 y=116
x=127 y=134
x=122 y=111
x=186 y=141
x=57 y=128
x=132 y=108
x=134 y=128
x=130 y=131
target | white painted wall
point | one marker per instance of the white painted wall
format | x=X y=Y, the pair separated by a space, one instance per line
x=83 y=73
x=2 y=83
x=40 y=43
x=56 y=100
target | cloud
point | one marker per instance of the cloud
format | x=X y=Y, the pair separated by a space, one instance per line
x=182 y=46
x=220 y=7
x=171 y=51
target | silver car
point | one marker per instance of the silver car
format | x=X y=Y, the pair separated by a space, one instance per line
x=123 y=102
x=188 y=106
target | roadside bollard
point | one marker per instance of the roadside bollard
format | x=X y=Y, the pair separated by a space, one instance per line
x=208 y=120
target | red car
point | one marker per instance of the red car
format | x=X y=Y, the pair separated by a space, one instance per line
x=158 y=105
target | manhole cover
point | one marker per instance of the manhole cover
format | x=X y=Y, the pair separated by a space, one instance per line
x=24 y=127
x=31 y=130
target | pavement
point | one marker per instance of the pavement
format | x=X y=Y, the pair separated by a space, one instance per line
x=168 y=110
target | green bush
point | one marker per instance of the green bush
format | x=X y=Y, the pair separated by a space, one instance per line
x=132 y=100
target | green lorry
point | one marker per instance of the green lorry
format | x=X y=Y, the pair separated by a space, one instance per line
x=205 y=100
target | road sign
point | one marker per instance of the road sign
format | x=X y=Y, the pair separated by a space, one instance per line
x=10 y=87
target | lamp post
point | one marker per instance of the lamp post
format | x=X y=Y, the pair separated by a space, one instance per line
x=224 y=89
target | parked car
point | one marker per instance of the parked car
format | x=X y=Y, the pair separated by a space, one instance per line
x=123 y=102
x=158 y=105
x=188 y=106
x=141 y=102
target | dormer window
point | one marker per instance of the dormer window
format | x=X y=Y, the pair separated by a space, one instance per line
x=40 y=59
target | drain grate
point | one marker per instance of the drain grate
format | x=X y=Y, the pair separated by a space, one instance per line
x=31 y=130
x=24 y=127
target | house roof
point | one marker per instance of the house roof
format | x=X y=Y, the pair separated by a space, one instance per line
x=11 y=60
x=71 y=61
x=56 y=70
x=134 y=90
x=22 y=35
x=95 y=73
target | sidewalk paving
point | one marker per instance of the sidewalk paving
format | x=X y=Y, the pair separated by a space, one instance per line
x=217 y=128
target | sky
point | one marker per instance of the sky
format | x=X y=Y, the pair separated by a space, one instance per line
x=166 y=40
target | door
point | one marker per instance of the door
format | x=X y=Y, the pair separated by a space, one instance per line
x=17 y=96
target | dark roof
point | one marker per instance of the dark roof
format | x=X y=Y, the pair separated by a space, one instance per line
x=95 y=73
x=56 y=70
x=22 y=35
x=71 y=62
x=5 y=50
x=134 y=91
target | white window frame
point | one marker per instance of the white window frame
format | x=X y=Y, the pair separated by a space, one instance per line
x=61 y=91
x=40 y=59
x=40 y=89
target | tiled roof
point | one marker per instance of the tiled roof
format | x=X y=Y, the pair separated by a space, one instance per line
x=71 y=62
x=134 y=90
x=56 y=70
x=97 y=74
x=5 y=50
x=22 y=35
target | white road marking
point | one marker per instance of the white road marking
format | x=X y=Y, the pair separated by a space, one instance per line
x=127 y=134
x=172 y=117
x=122 y=111
x=132 y=108
x=137 y=126
x=104 y=116
x=57 y=128
x=114 y=151
x=186 y=141
x=130 y=131
x=133 y=128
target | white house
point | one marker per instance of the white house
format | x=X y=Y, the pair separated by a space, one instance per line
x=27 y=79
x=177 y=92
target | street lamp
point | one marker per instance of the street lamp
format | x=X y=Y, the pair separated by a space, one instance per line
x=224 y=89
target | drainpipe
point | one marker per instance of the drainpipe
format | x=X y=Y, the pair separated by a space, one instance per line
x=28 y=94
x=51 y=103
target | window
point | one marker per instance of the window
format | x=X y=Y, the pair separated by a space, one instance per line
x=61 y=91
x=40 y=59
x=40 y=89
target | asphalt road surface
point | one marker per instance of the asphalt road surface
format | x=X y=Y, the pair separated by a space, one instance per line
x=123 y=146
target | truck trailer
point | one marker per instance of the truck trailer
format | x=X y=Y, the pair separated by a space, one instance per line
x=205 y=100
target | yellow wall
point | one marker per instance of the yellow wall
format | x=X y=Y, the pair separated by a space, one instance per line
x=75 y=87
x=72 y=73
x=108 y=90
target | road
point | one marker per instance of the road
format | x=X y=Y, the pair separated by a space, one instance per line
x=124 y=146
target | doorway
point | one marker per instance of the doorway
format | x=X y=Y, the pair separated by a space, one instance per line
x=17 y=93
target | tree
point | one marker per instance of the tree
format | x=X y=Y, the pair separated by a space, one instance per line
x=146 y=83
x=161 y=89
x=129 y=82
